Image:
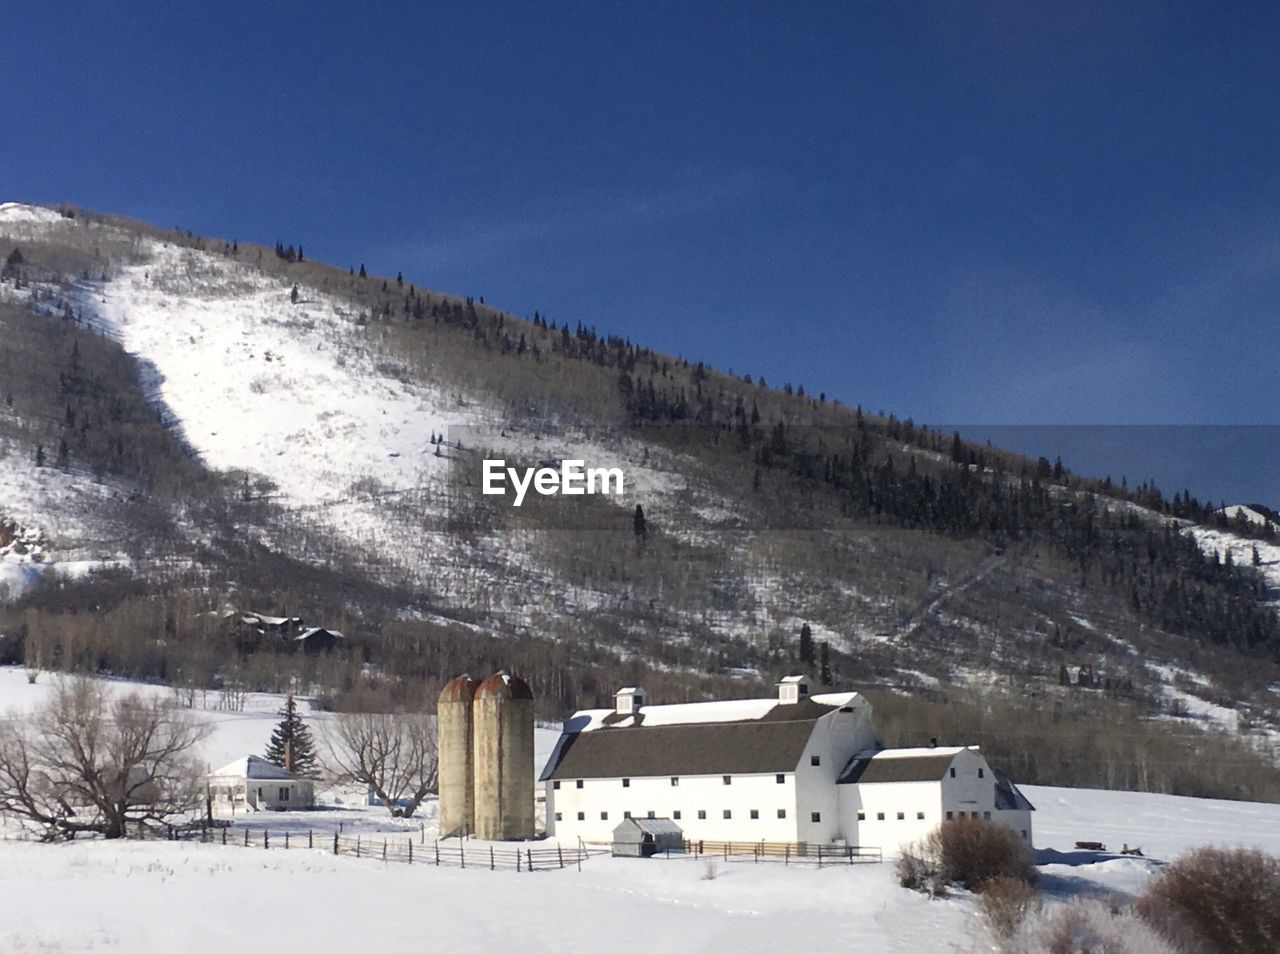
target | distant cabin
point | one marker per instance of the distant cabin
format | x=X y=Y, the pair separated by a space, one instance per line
x=318 y=640
x=254 y=784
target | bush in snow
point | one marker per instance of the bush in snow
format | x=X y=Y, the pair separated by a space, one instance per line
x=1006 y=903
x=1088 y=926
x=1229 y=898
x=968 y=852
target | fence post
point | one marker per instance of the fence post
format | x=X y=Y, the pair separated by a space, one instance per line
x=224 y=836
x=266 y=839
x=462 y=852
x=357 y=845
x=286 y=839
x=528 y=859
x=819 y=856
x=410 y=851
x=246 y=838
x=437 y=852
x=422 y=833
x=491 y=857
x=384 y=849
x=335 y=842
x=786 y=857
x=518 y=860
x=310 y=841
x=560 y=855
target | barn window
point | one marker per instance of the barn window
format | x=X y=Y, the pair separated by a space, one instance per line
x=702 y=814
x=1024 y=834
x=949 y=815
x=579 y=783
x=626 y=783
x=980 y=773
x=782 y=813
x=953 y=771
x=582 y=816
x=728 y=779
x=862 y=816
x=815 y=760
x=558 y=818
x=755 y=814
x=728 y=813
x=815 y=816
x=675 y=780
x=901 y=816
x=676 y=814
x=780 y=778
x=987 y=816
x=556 y=785
x=920 y=816
x=604 y=816
x=626 y=814
x=879 y=816
x=284 y=793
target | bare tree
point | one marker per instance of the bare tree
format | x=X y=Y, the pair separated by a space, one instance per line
x=86 y=762
x=392 y=753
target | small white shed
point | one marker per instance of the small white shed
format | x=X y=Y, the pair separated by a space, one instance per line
x=644 y=837
x=254 y=783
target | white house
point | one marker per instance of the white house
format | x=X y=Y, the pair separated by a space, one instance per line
x=254 y=783
x=793 y=768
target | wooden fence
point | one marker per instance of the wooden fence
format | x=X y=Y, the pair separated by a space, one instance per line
x=405 y=849
x=788 y=853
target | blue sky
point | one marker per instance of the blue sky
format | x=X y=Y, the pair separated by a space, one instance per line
x=980 y=212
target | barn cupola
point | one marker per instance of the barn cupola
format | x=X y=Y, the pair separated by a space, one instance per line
x=792 y=689
x=629 y=700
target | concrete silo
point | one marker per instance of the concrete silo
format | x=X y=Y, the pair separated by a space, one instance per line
x=456 y=765
x=502 y=747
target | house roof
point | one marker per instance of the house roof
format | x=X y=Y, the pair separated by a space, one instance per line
x=317 y=630
x=767 y=741
x=900 y=765
x=252 y=766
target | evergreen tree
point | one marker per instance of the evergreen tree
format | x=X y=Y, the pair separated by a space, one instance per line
x=293 y=295
x=806 y=645
x=824 y=663
x=291 y=746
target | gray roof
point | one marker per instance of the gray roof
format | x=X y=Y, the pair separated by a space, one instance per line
x=651 y=826
x=770 y=744
x=909 y=768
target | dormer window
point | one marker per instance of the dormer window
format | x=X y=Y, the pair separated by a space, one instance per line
x=792 y=689
x=629 y=700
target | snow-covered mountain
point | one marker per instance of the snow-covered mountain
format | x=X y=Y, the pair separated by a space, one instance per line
x=295 y=412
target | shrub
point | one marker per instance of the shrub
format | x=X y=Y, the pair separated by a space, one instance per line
x=1086 y=926
x=1230 y=898
x=1006 y=903
x=918 y=869
x=971 y=852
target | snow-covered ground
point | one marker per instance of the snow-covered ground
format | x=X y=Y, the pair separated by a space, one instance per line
x=1241 y=550
x=203 y=899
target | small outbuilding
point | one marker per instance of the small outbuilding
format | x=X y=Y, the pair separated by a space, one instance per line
x=318 y=640
x=645 y=837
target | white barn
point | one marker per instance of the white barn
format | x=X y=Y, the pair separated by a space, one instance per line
x=794 y=768
x=253 y=783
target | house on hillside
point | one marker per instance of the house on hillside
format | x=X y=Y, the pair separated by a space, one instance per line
x=254 y=784
x=317 y=640
x=794 y=768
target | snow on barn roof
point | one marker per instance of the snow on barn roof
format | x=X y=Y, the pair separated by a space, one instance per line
x=252 y=766
x=902 y=765
x=742 y=737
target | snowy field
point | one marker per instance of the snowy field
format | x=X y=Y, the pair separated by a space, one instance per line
x=161 y=896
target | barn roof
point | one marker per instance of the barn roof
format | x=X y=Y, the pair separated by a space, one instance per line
x=770 y=742
x=899 y=765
